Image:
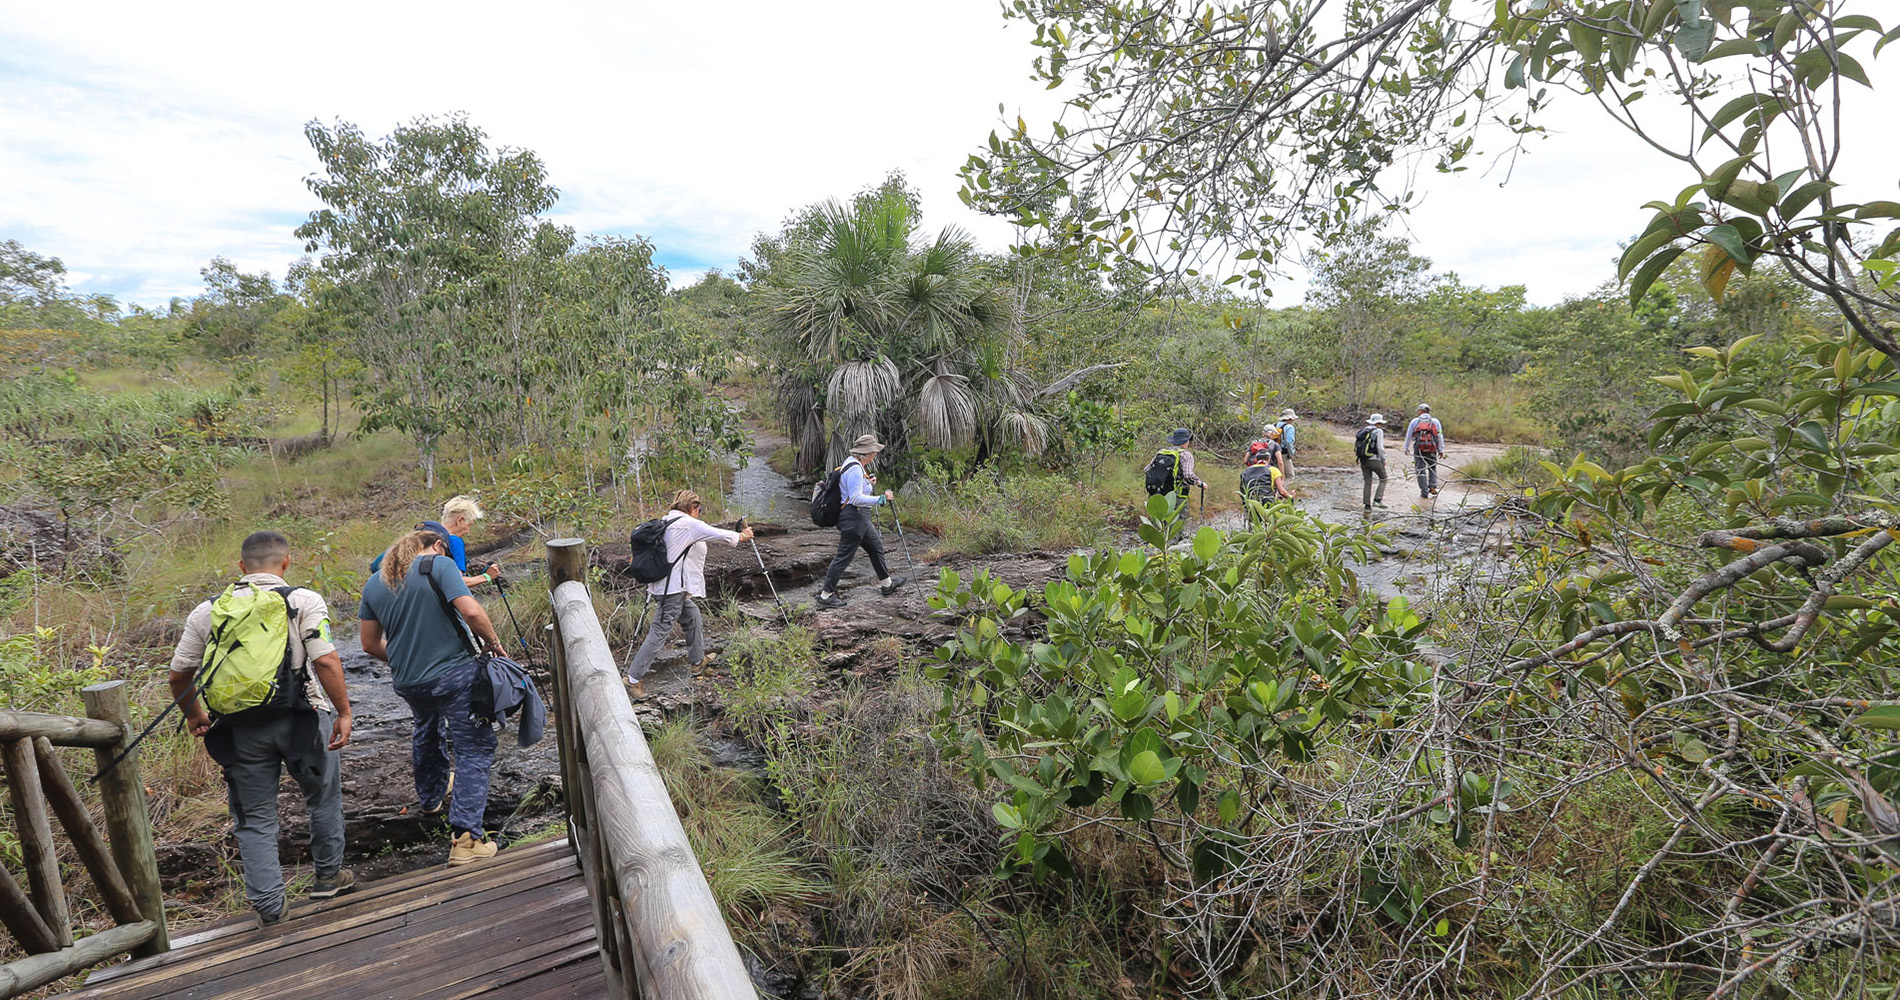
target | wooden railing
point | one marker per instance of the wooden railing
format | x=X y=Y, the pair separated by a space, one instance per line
x=661 y=933
x=125 y=870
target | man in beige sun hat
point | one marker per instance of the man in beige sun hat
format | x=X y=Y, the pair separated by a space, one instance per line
x=855 y=528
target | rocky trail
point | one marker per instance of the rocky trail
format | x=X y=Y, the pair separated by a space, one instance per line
x=1433 y=544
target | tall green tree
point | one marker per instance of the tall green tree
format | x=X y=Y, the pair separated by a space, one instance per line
x=888 y=330
x=433 y=242
x=1371 y=286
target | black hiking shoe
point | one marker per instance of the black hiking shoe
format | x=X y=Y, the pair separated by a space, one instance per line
x=896 y=584
x=332 y=886
x=833 y=601
x=265 y=923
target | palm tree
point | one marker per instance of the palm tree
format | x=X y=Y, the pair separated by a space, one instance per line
x=881 y=331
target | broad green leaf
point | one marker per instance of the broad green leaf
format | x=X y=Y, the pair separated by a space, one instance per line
x=1650 y=271
x=1881 y=717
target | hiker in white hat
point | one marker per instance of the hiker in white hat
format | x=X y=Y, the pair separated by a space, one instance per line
x=1368 y=446
x=1287 y=447
x=855 y=529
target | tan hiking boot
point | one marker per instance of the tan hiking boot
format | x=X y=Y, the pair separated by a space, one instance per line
x=465 y=850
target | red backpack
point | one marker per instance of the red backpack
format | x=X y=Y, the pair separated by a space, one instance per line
x=1425 y=440
x=1260 y=452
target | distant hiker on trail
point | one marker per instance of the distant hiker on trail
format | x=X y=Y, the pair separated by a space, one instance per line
x=261 y=657
x=419 y=616
x=1268 y=450
x=1288 y=444
x=1425 y=442
x=1172 y=468
x=458 y=516
x=686 y=538
x=1263 y=482
x=1368 y=446
x=855 y=529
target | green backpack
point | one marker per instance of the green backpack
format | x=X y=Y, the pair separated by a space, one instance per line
x=248 y=673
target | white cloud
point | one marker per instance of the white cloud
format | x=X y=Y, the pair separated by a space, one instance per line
x=139 y=140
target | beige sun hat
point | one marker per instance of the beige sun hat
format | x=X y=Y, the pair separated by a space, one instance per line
x=1377 y=418
x=1288 y=414
x=866 y=445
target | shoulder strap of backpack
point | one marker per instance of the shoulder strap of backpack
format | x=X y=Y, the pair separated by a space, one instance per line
x=675 y=561
x=426 y=567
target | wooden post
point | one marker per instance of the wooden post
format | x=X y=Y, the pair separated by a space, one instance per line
x=36 y=839
x=680 y=936
x=127 y=817
x=71 y=810
x=17 y=912
x=61 y=729
x=35 y=972
x=567 y=561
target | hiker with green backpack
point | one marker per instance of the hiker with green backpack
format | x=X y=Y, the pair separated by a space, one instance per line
x=1368 y=446
x=261 y=683
x=1172 y=468
x=418 y=615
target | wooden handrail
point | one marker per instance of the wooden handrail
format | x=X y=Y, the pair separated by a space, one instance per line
x=661 y=932
x=124 y=870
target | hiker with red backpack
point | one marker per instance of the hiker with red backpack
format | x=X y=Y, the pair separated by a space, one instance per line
x=1270 y=449
x=260 y=681
x=1425 y=442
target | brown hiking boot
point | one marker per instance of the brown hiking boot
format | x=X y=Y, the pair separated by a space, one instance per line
x=465 y=849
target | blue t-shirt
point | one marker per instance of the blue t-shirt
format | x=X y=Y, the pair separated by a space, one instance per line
x=457 y=548
x=423 y=642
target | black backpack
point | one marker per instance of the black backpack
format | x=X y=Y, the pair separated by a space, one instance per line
x=1164 y=473
x=1362 y=444
x=828 y=499
x=649 y=563
x=1256 y=483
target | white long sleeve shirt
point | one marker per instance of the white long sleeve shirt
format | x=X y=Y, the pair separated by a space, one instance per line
x=855 y=486
x=686 y=538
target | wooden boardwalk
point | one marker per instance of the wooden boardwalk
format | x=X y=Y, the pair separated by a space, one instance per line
x=515 y=928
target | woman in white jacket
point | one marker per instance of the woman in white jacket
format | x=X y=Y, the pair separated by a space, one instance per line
x=686 y=538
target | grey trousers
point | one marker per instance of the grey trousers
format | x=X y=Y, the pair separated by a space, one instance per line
x=262 y=753
x=1368 y=469
x=674 y=609
x=1427 y=466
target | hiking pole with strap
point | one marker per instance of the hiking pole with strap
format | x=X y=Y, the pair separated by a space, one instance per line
x=502 y=589
x=905 y=542
x=784 y=611
x=1203 y=502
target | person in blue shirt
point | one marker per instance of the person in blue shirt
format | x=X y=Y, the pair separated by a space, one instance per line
x=855 y=529
x=458 y=517
x=432 y=654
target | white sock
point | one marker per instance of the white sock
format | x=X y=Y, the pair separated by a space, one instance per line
x=884 y=582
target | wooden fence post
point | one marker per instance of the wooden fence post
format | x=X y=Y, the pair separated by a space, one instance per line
x=127 y=818
x=36 y=839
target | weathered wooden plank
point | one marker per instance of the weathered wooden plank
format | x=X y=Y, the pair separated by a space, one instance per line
x=574 y=960
x=683 y=939
x=21 y=919
x=37 y=850
x=71 y=810
x=295 y=943
x=127 y=819
x=417 y=890
x=63 y=730
x=38 y=970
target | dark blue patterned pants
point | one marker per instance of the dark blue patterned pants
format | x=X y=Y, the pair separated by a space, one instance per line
x=441 y=710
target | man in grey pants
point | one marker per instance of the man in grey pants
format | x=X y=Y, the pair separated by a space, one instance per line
x=304 y=739
x=1369 y=447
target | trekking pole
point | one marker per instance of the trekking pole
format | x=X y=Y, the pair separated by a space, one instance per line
x=756 y=554
x=900 y=537
x=502 y=589
x=1203 y=502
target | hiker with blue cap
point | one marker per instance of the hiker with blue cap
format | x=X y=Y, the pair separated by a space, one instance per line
x=1172 y=469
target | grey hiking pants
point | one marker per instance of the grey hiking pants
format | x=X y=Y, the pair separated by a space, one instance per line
x=1369 y=468
x=261 y=752
x=1427 y=466
x=856 y=531
x=674 y=609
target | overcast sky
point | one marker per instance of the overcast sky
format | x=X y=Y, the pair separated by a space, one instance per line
x=137 y=141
